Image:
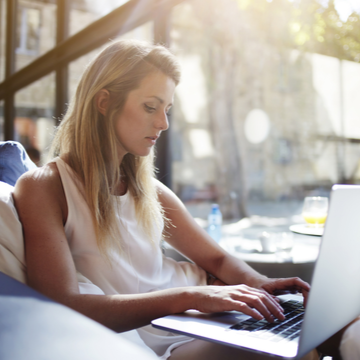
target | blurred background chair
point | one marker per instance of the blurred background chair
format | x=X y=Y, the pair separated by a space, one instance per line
x=14 y=161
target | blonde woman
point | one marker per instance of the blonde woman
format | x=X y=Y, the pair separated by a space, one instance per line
x=96 y=213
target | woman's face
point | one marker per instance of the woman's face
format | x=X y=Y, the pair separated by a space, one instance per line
x=144 y=115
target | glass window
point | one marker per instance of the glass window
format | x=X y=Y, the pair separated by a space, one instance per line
x=83 y=13
x=36 y=30
x=28 y=35
x=260 y=121
x=34 y=122
x=2 y=38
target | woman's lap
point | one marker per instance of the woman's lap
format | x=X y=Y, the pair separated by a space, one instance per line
x=204 y=350
x=350 y=344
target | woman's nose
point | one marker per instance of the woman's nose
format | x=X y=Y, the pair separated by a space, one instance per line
x=162 y=122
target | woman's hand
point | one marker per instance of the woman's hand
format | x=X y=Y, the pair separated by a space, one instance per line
x=253 y=302
x=283 y=286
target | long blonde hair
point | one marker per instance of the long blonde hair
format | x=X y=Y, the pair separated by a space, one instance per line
x=89 y=140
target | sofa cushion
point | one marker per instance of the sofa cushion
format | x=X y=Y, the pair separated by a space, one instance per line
x=12 y=257
x=14 y=161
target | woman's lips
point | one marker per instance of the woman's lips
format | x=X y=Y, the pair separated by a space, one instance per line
x=152 y=139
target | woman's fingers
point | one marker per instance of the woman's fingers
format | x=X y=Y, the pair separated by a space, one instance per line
x=259 y=302
x=262 y=308
x=274 y=307
x=287 y=285
x=253 y=302
x=295 y=283
x=265 y=304
x=247 y=310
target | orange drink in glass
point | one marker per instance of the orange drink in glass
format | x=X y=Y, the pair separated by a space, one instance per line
x=315 y=210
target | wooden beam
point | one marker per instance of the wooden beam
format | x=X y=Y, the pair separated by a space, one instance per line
x=162 y=27
x=62 y=72
x=9 y=107
x=11 y=17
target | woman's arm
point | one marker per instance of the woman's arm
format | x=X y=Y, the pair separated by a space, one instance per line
x=191 y=240
x=42 y=208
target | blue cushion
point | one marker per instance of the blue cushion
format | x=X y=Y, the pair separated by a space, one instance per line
x=14 y=161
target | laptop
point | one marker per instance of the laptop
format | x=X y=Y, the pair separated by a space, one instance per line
x=333 y=302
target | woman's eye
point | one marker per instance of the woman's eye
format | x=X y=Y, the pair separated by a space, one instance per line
x=149 y=108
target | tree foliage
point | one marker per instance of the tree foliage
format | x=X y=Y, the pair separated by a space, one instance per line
x=307 y=25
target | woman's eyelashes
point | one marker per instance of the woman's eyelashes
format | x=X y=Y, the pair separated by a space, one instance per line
x=149 y=109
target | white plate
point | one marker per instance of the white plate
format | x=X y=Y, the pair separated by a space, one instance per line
x=306 y=229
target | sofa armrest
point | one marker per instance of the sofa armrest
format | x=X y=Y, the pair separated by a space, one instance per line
x=41 y=329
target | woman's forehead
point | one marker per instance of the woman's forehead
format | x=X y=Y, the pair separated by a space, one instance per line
x=156 y=85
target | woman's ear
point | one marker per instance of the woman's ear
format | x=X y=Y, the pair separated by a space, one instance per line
x=102 y=100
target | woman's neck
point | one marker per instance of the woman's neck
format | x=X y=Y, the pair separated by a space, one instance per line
x=121 y=188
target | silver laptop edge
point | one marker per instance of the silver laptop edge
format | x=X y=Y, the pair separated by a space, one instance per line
x=336 y=276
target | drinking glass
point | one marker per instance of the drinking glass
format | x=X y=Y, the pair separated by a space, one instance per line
x=315 y=210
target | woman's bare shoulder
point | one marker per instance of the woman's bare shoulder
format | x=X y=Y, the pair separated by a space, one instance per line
x=44 y=178
x=41 y=186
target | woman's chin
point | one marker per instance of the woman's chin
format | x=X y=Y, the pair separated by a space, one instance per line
x=142 y=153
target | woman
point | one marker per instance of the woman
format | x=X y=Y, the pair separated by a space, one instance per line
x=96 y=211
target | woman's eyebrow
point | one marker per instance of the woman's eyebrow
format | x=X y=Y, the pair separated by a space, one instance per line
x=158 y=98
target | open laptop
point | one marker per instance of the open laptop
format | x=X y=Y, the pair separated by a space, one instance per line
x=334 y=299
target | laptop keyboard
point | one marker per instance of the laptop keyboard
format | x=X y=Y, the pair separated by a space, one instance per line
x=286 y=330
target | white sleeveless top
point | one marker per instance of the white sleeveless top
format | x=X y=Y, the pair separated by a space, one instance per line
x=140 y=268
